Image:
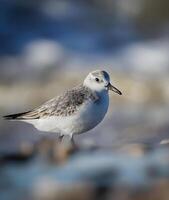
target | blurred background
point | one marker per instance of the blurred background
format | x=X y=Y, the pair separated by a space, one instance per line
x=48 y=46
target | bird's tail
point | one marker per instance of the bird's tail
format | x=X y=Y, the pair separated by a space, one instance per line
x=15 y=116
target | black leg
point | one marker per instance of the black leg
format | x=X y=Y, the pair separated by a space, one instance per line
x=61 y=138
x=73 y=141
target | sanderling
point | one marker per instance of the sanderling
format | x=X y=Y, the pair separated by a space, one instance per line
x=75 y=111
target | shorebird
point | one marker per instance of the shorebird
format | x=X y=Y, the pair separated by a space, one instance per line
x=75 y=111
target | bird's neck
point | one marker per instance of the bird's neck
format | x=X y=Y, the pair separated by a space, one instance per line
x=102 y=94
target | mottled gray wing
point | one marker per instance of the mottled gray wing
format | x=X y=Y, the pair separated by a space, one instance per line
x=63 y=105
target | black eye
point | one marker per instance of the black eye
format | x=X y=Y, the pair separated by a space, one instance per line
x=97 y=79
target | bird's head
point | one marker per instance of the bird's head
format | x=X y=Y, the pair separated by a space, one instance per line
x=100 y=81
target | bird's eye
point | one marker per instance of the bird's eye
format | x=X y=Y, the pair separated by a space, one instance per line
x=97 y=79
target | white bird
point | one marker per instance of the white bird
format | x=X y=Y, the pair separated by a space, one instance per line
x=75 y=111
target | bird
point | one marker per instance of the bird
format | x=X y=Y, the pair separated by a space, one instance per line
x=75 y=111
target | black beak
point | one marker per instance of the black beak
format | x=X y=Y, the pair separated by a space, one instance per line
x=114 y=89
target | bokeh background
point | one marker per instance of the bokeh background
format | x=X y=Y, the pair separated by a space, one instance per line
x=47 y=46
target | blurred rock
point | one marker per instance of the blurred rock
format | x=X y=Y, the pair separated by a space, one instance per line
x=41 y=54
x=55 y=151
x=89 y=175
x=137 y=150
x=24 y=153
x=165 y=142
x=47 y=189
x=149 y=58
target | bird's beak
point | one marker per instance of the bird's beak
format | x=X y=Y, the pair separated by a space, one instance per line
x=114 y=89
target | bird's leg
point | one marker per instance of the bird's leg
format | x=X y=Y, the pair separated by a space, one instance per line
x=73 y=141
x=61 y=138
x=67 y=140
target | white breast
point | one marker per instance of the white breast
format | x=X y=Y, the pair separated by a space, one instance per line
x=93 y=113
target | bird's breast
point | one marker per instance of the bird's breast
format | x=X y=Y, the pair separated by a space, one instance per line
x=93 y=113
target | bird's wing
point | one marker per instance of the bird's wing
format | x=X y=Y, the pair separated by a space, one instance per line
x=63 y=105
